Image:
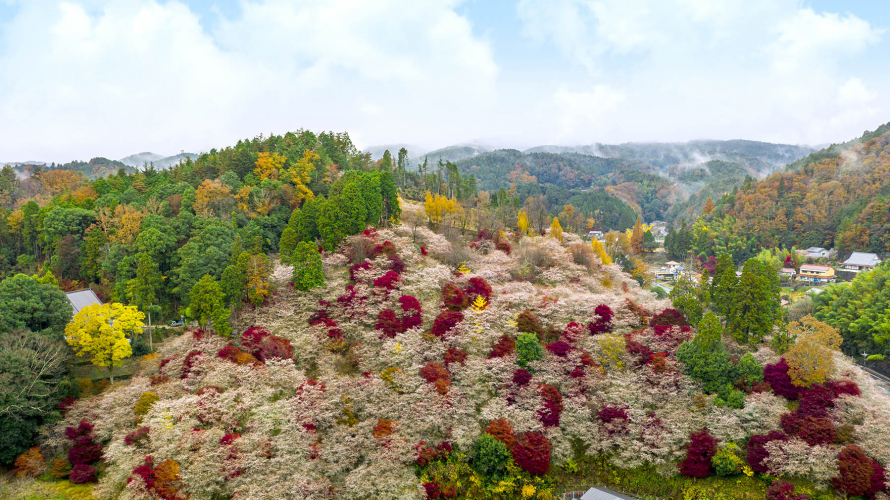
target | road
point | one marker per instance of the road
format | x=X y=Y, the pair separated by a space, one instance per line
x=883 y=382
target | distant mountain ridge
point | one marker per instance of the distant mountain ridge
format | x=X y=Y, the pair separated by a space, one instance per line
x=160 y=162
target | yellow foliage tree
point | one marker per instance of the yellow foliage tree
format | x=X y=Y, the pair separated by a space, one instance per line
x=259 y=268
x=208 y=196
x=556 y=229
x=522 y=222
x=600 y=251
x=811 y=358
x=636 y=237
x=268 y=165
x=128 y=221
x=438 y=206
x=100 y=331
x=302 y=171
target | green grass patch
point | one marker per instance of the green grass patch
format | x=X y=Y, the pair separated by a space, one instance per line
x=31 y=489
x=646 y=484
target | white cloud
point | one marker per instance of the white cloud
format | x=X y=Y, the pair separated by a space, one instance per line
x=587 y=113
x=110 y=77
x=760 y=69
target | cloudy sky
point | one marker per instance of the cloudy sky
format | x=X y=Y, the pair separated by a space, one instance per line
x=85 y=78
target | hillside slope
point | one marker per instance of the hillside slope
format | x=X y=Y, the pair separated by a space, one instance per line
x=837 y=199
x=363 y=392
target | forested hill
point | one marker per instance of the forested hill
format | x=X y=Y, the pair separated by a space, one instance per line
x=835 y=199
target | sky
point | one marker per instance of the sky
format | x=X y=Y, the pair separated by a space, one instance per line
x=87 y=78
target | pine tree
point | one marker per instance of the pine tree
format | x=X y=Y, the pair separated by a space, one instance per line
x=750 y=315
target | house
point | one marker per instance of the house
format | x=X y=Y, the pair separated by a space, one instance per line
x=816 y=274
x=672 y=264
x=814 y=291
x=595 y=234
x=788 y=271
x=82 y=298
x=817 y=253
x=861 y=261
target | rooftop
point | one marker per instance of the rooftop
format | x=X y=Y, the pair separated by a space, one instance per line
x=602 y=493
x=814 y=267
x=815 y=249
x=862 y=259
x=82 y=298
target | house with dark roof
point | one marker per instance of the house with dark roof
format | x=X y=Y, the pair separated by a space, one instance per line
x=82 y=298
x=861 y=261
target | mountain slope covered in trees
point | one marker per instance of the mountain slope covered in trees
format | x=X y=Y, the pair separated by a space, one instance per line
x=836 y=199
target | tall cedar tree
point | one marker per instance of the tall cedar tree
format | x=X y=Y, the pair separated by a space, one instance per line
x=723 y=284
x=308 y=271
x=207 y=306
x=751 y=314
x=141 y=290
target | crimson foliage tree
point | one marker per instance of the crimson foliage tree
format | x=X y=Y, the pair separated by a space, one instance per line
x=702 y=448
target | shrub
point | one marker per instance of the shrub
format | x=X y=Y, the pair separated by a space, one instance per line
x=845 y=434
x=396 y=265
x=783 y=490
x=355 y=268
x=501 y=430
x=146 y=401
x=528 y=349
x=521 y=377
x=503 y=246
x=477 y=287
x=274 y=346
x=532 y=453
x=61 y=469
x=669 y=317
x=82 y=473
x=780 y=381
x=504 y=346
x=387 y=282
x=490 y=457
x=437 y=375
x=30 y=463
x=756 y=450
x=453 y=298
x=572 y=333
x=137 y=437
x=445 y=321
x=412 y=316
x=603 y=323
x=189 y=363
x=642 y=352
x=359 y=248
x=388 y=324
x=559 y=348
x=813 y=430
x=838 y=387
x=549 y=415
x=454 y=355
x=229 y=352
x=702 y=448
x=253 y=336
x=609 y=414
x=727 y=462
x=84 y=450
x=383 y=428
x=527 y=322
x=855 y=471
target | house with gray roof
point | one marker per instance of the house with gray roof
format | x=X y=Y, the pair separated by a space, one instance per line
x=861 y=261
x=82 y=298
x=817 y=253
